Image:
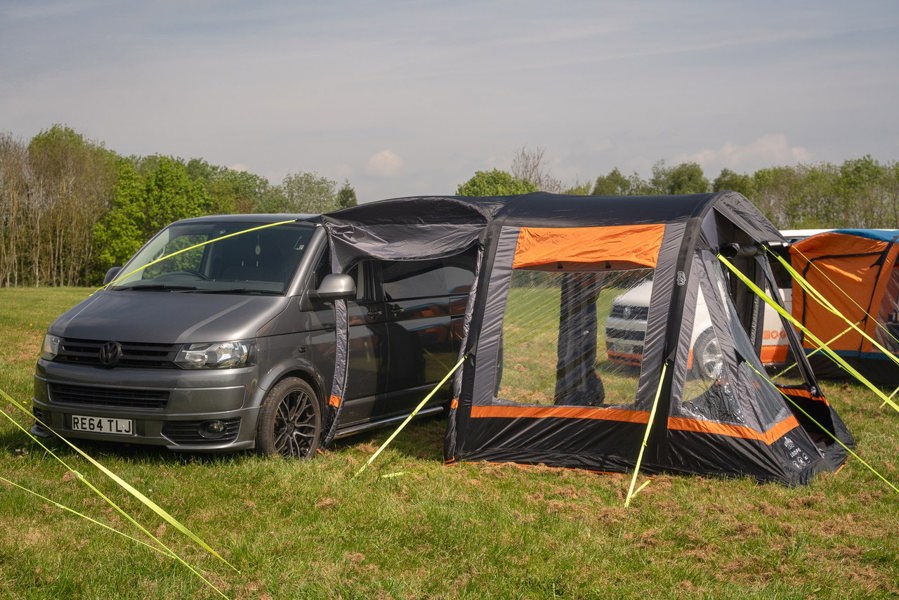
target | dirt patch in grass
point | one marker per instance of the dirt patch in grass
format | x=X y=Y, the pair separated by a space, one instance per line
x=326 y=503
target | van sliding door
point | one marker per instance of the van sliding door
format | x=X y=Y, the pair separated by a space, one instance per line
x=425 y=303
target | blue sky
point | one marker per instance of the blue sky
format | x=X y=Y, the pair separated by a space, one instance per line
x=405 y=98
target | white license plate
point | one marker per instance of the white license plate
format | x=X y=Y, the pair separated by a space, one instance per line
x=103 y=425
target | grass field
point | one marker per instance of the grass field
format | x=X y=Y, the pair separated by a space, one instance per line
x=411 y=527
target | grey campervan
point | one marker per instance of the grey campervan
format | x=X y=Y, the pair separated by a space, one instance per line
x=229 y=343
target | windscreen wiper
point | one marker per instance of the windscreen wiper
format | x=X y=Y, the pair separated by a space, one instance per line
x=158 y=287
x=237 y=291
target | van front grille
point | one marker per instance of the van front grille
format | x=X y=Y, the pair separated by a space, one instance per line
x=98 y=396
x=636 y=313
x=132 y=354
x=626 y=334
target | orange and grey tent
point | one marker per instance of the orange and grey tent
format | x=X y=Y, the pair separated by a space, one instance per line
x=856 y=270
x=536 y=385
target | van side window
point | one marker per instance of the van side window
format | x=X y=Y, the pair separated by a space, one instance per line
x=359 y=272
x=404 y=280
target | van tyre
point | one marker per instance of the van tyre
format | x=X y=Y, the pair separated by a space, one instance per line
x=708 y=362
x=290 y=420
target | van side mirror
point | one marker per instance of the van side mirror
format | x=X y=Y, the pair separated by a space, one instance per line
x=336 y=286
x=111 y=274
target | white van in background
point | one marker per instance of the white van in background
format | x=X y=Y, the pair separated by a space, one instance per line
x=626 y=326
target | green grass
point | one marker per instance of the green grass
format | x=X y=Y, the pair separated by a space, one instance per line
x=310 y=530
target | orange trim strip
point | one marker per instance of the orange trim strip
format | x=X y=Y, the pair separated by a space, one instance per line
x=738 y=431
x=631 y=359
x=334 y=401
x=801 y=393
x=633 y=416
x=559 y=412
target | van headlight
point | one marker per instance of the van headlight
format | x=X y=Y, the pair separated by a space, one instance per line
x=50 y=347
x=215 y=355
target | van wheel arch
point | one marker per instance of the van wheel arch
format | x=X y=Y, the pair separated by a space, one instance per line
x=291 y=419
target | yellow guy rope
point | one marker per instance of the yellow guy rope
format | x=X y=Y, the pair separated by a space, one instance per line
x=146 y=501
x=86 y=517
x=165 y=550
x=410 y=417
x=652 y=415
x=815 y=351
x=824 y=347
x=824 y=274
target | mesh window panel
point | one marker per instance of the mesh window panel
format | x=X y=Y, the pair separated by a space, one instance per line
x=721 y=386
x=573 y=338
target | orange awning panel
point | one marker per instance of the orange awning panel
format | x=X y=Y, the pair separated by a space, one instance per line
x=848 y=270
x=612 y=247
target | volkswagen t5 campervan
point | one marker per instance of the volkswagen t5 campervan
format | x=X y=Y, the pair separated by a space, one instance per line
x=229 y=343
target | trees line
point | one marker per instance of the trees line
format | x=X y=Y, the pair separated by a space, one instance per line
x=860 y=193
x=70 y=208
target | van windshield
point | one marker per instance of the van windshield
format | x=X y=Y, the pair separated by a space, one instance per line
x=210 y=257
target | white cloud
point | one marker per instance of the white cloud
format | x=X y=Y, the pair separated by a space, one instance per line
x=385 y=163
x=770 y=149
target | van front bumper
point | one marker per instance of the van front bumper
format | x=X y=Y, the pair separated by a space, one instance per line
x=198 y=411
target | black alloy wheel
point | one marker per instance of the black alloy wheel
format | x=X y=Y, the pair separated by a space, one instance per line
x=290 y=420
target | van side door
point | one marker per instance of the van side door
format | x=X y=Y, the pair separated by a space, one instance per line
x=425 y=302
x=367 y=347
